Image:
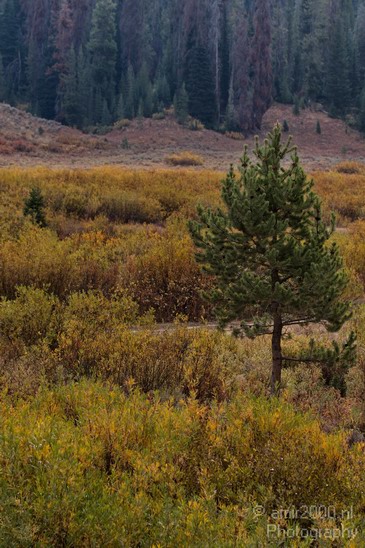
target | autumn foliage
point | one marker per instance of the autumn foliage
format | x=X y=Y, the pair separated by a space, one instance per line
x=104 y=412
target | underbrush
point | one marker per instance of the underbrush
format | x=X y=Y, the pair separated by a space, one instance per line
x=343 y=193
x=111 y=228
x=46 y=341
x=88 y=465
x=115 y=430
x=185 y=159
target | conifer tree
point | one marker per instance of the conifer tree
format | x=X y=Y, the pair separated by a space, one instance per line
x=261 y=59
x=296 y=106
x=338 y=71
x=231 y=123
x=268 y=251
x=121 y=107
x=71 y=103
x=362 y=112
x=103 y=50
x=34 y=207
x=2 y=80
x=9 y=31
x=130 y=106
x=200 y=86
x=181 y=105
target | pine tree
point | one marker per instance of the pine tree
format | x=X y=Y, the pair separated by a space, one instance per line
x=9 y=31
x=200 y=86
x=231 y=123
x=268 y=251
x=261 y=61
x=296 y=106
x=224 y=62
x=130 y=94
x=121 y=107
x=181 y=105
x=71 y=102
x=85 y=86
x=241 y=84
x=34 y=207
x=163 y=91
x=338 y=81
x=106 y=117
x=2 y=80
x=103 y=49
x=362 y=111
x=144 y=92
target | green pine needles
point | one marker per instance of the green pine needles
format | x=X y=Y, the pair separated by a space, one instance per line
x=268 y=251
x=34 y=207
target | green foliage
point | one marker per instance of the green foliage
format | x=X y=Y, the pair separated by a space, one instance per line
x=34 y=207
x=2 y=80
x=267 y=250
x=117 y=430
x=181 y=105
x=296 y=106
x=362 y=112
x=338 y=86
x=72 y=98
x=170 y=475
x=102 y=47
x=315 y=53
x=200 y=86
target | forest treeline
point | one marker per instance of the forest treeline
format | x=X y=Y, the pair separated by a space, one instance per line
x=93 y=62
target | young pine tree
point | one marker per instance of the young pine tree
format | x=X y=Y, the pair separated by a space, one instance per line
x=34 y=207
x=268 y=251
x=181 y=105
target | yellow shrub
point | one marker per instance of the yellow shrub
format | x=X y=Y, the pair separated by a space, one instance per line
x=84 y=465
x=185 y=159
x=350 y=168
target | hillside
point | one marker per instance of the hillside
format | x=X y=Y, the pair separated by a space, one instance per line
x=26 y=140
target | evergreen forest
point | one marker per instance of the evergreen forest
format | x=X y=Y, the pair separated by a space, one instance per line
x=87 y=63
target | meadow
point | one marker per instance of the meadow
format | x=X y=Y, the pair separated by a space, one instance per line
x=114 y=431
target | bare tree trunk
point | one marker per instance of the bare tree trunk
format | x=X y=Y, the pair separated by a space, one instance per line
x=277 y=357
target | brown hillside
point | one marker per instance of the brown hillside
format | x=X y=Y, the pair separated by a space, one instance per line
x=27 y=140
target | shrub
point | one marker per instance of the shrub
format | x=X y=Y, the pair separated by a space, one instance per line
x=350 y=168
x=194 y=125
x=86 y=465
x=125 y=144
x=235 y=135
x=166 y=277
x=185 y=159
x=122 y=124
x=29 y=317
x=158 y=116
x=128 y=207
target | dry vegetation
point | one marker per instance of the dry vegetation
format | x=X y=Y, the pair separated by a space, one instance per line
x=185 y=159
x=29 y=141
x=169 y=432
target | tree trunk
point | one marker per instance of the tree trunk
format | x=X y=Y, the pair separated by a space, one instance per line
x=277 y=357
